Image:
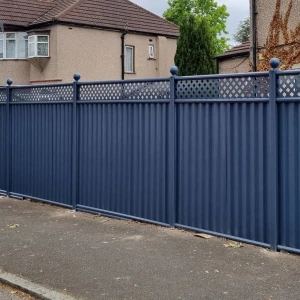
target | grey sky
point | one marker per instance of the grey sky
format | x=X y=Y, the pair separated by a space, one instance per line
x=238 y=9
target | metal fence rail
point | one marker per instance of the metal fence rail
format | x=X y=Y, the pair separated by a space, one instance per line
x=218 y=153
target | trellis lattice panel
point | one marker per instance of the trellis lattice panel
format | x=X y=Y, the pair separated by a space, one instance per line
x=3 y=95
x=43 y=93
x=41 y=150
x=126 y=91
x=123 y=159
x=288 y=86
x=223 y=88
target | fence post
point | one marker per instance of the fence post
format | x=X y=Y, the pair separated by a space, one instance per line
x=8 y=137
x=74 y=193
x=171 y=153
x=273 y=152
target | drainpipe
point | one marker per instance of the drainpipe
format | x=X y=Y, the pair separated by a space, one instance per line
x=218 y=66
x=123 y=53
x=254 y=35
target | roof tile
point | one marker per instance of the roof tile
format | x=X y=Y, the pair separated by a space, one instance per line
x=242 y=49
x=116 y=14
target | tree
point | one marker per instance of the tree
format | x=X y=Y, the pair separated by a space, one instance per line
x=242 y=33
x=215 y=15
x=195 y=51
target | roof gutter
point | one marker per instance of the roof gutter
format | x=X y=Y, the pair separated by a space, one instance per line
x=254 y=36
x=58 y=22
x=233 y=55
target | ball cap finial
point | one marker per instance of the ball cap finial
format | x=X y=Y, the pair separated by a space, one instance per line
x=9 y=81
x=76 y=76
x=174 y=70
x=274 y=63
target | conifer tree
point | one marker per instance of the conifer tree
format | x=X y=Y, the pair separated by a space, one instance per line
x=195 y=48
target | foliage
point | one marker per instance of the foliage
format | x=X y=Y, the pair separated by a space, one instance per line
x=195 y=51
x=243 y=32
x=215 y=15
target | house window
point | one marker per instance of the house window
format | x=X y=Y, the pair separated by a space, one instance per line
x=10 y=43
x=129 y=59
x=38 y=46
x=13 y=45
x=151 y=51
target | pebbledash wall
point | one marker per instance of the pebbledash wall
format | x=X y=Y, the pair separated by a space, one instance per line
x=265 y=13
x=96 y=53
x=234 y=65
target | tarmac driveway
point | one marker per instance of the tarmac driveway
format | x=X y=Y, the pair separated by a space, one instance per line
x=92 y=257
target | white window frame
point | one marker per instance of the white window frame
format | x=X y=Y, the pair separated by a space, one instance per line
x=34 y=41
x=2 y=39
x=31 y=41
x=18 y=45
x=132 y=61
x=151 y=51
x=16 y=39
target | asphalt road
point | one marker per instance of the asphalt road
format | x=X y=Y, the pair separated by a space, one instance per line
x=91 y=257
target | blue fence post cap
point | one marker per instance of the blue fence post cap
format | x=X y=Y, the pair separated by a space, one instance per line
x=76 y=77
x=274 y=63
x=174 y=71
x=9 y=82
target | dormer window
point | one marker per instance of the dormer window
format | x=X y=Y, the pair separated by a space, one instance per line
x=38 y=46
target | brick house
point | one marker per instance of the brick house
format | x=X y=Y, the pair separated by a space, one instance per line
x=275 y=32
x=50 y=40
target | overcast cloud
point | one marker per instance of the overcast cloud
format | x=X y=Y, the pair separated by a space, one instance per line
x=238 y=9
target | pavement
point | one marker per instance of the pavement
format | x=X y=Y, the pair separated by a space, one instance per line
x=92 y=257
x=8 y=293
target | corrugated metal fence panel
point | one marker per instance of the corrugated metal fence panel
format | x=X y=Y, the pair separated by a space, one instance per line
x=201 y=165
x=289 y=174
x=248 y=213
x=222 y=151
x=289 y=160
x=3 y=134
x=122 y=160
x=123 y=148
x=41 y=144
x=222 y=169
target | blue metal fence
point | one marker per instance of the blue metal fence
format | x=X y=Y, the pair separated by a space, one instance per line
x=218 y=154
